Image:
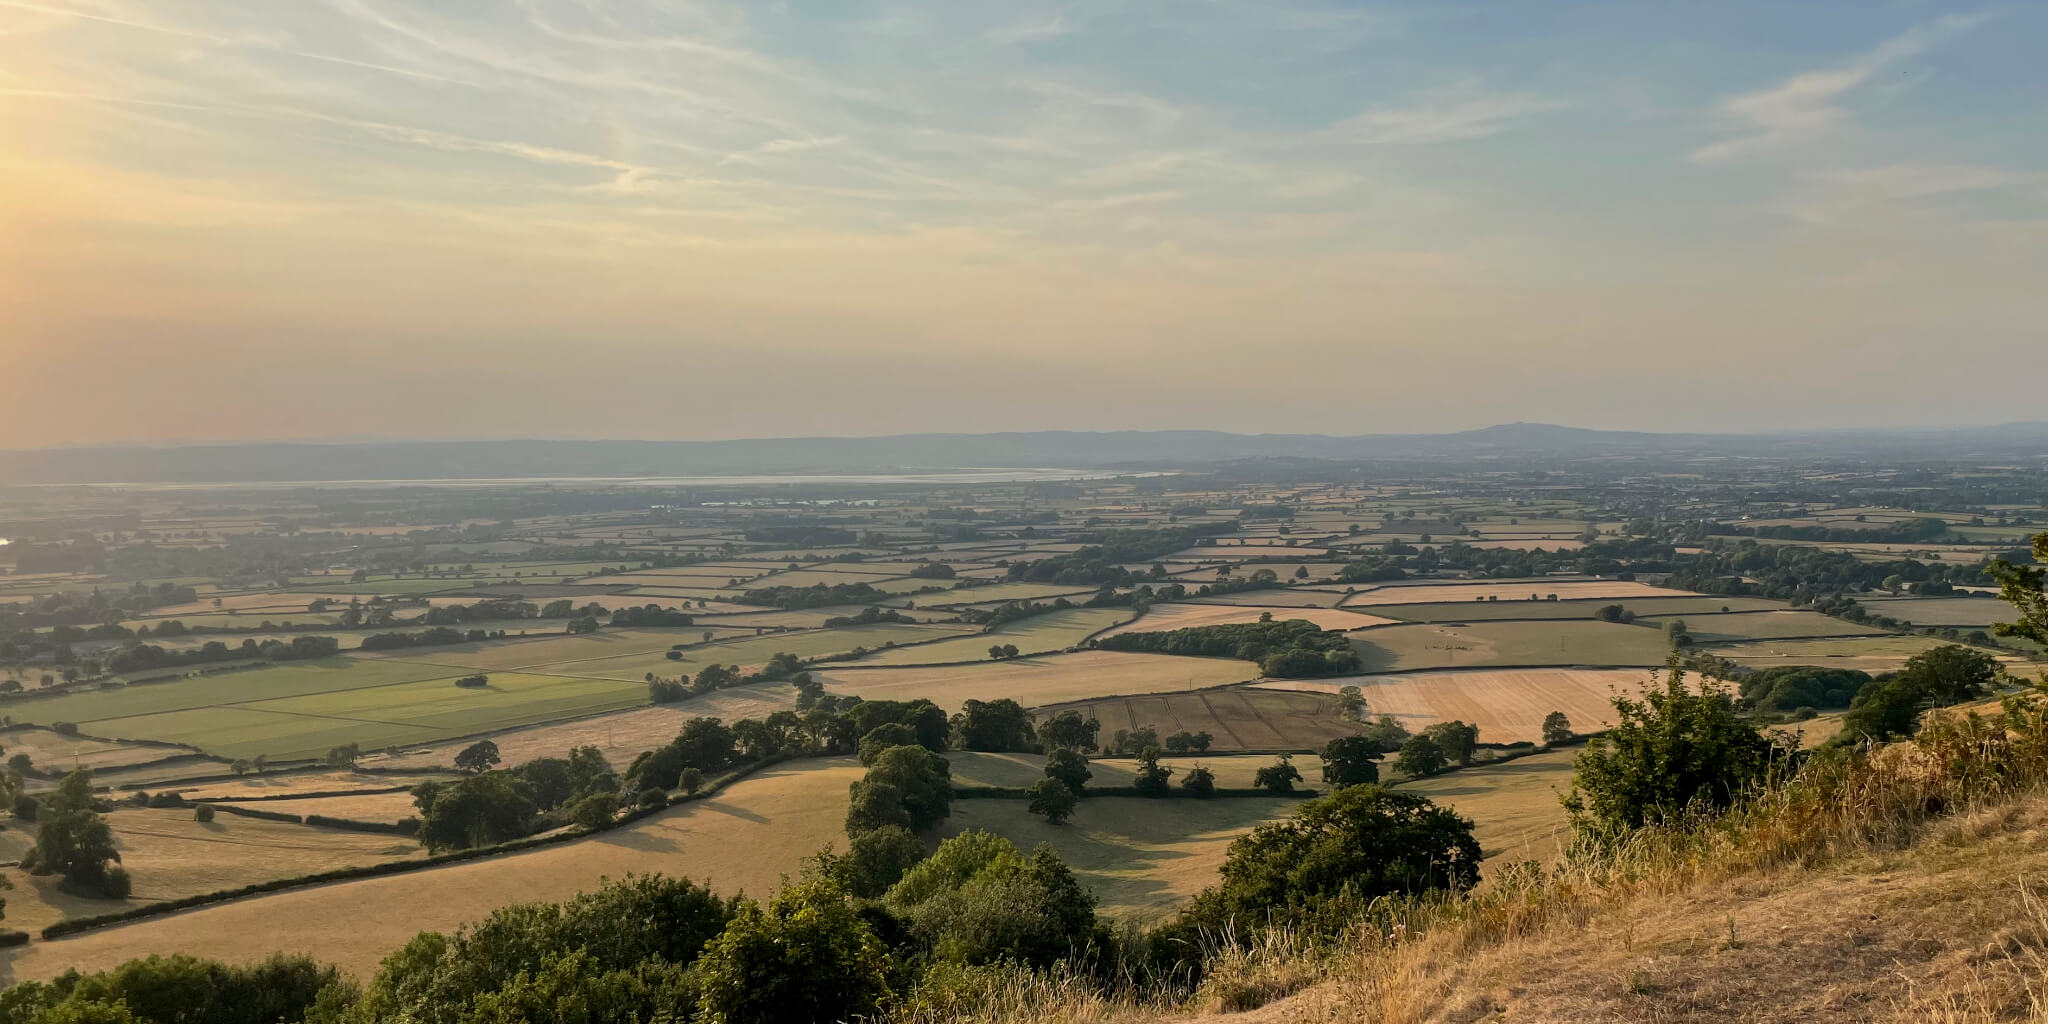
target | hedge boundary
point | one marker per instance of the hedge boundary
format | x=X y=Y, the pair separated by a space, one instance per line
x=75 y=925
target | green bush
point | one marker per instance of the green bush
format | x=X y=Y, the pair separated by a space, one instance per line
x=807 y=956
x=1672 y=751
x=202 y=813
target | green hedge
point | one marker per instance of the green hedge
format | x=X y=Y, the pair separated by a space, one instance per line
x=251 y=812
x=1172 y=793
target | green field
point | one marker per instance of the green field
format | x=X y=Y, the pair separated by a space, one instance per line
x=1505 y=644
x=1053 y=631
x=367 y=713
x=755 y=651
x=1980 y=612
x=1765 y=625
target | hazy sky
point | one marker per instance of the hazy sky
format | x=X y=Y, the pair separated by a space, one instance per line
x=676 y=219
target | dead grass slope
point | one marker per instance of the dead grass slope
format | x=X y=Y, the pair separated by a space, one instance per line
x=1951 y=929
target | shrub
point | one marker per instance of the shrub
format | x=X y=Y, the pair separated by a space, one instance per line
x=1199 y=782
x=1278 y=777
x=594 y=811
x=1151 y=779
x=1667 y=753
x=877 y=859
x=1070 y=768
x=652 y=797
x=1351 y=761
x=807 y=956
x=1052 y=798
x=202 y=813
x=981 y=902
x=1360 y=843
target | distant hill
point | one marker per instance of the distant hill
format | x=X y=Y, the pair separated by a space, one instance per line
x=423 y=460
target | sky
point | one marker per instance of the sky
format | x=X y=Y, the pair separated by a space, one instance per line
x=257 y=219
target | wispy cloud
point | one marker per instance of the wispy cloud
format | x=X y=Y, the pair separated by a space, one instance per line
x=1448 y=116
x=1807 y=106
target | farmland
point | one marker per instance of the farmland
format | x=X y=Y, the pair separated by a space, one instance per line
x=1413 y=647
x=1508 y=705
x=1444 y=632
x=1240 y=718
x=1050 y=679
x=746 y=839
x=1162 y=618
x=1052 y=631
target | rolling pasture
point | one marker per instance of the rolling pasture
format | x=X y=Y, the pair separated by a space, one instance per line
x=1514 y=806
x=1141 y=858
x=747 y=838
x=1578 y=608
x=169 y=855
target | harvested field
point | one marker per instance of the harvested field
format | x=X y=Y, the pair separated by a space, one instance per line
x=1049 y=679
x=53 y=750
x=1239 y=718
x=169 y=855
x=619 y=735
x=1141 y=858
x=1568 y=642
x=747 y=838
x=1164 y=617
x=1566 y=590
x=1870 y=654
x=1239 y=551
x=1487 y=611
x=275 y=784
x=1514 y=807
x=384 y=807
x=1053 y=631
x=1508 y=705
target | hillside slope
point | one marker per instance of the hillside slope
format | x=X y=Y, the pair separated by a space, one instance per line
x=1951 y=929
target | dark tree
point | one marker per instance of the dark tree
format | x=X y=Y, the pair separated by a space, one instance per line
x=1351 y=761
x=1052 y=798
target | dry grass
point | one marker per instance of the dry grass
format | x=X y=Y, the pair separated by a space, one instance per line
x=54 y=750
x=1141 y=857
x=1508 y=705
x=1050 y=679
x=1844 y=894
x=169 y=855
x=746 y=838
x=1237 y=718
